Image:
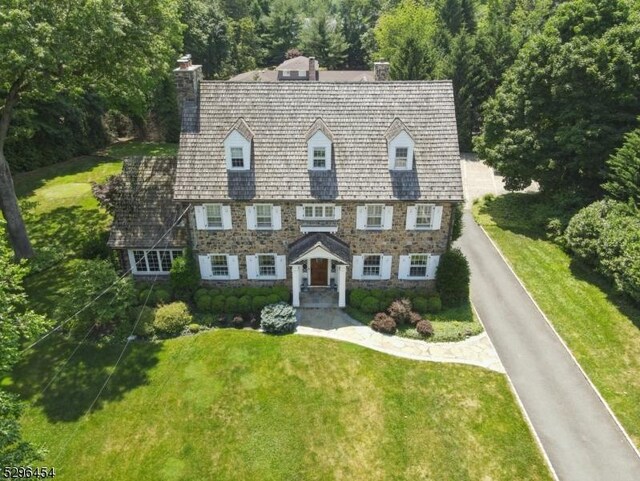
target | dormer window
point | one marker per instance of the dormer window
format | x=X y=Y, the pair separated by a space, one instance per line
x=319 y=146
x=400 y=144
x=319 y=158
x=237 y=157
x=237 y=146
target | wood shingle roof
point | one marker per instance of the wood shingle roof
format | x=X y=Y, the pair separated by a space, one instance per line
x=358 y=115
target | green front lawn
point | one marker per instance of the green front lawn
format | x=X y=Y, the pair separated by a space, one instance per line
x=242 y=405
x=601 y=329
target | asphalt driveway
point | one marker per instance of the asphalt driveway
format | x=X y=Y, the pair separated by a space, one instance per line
x=579 y=435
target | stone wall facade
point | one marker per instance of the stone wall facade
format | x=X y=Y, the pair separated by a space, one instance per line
x=395 y=242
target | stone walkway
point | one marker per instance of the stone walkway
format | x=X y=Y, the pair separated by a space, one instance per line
x=335 y=324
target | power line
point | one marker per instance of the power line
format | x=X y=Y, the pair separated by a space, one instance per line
x=86 y=306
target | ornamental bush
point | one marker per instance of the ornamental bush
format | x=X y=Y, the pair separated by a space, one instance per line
x=273 y=299
x=231 y=305
x=585 y=230
x=160 y=296
x=434 y=304
x=201 y=292
x=171 y=319
x=144 y=316
x=383 y=322
x=424 y=328
x=244 y=306
x=258 y=303
x=184 y=276
x=356 y=296
x=370 y=305
x=452 y=278
x=217 y=304
x=278 y=318
x=400 y=311
x=421 y=305
x=282 y=292
x=203 y=303
x=414 y=318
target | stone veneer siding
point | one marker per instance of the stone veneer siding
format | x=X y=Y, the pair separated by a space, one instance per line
x=396 y=242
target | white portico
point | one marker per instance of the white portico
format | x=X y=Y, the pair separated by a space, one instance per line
x=319 y=261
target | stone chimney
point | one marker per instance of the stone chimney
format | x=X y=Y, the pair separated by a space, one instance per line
x=381 y=71
x=187 y=78
x=312 y=69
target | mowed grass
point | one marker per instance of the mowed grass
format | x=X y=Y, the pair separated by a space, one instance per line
x=240 y=405
x=600 y=328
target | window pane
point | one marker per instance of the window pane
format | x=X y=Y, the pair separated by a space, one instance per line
x=329 y=212
x=219 y=266
x=308 y=211
x=267 y=265
x=165 y=260
x=176 y=254
x=424 y=215
x=374 y=215
x=371 y=266
x=401 y=156
x=418 y=265
x=237 y=157
x=140 y=261
x=319 y=157
x=214 y=215
x=263 y=215
x=152 y=261
x=319 y=211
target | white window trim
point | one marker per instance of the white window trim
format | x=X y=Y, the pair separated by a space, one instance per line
x=275 y=266
x=218 y=277
x=401 y=140
x=366 y=220
x=319 y=140
x=433 y=215
x=313 y=206
x=369 y=277
x=206 y=217
x=270 y=227
x=426 y=267
x=134 y=267
x=286 y=73
x=236 y=140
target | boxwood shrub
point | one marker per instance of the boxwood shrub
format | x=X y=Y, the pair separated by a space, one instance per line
x=171 y=319
x=218 y=304
x=203 y=303
x=278 y=318
x=370 y=305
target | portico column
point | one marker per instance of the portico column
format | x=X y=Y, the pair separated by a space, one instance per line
x=296 y=279
x=342 y=285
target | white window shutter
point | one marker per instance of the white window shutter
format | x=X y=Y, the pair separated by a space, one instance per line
x=412 y=214
x=281 y=267
x=205 y=267
x=356 y=268
x=132 y=262
x=251 y=217
x=385 y=268
x=226 y=217
x=361 y=217
x=432 y=266
x=437 y=217
x=337 y=212
x=252 y=267
x=404 y=267
x=299 y=212
x=234 y=268
x=201 y=217
x=387 y=222
x=276 y=217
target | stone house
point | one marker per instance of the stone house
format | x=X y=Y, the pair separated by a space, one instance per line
x=317 y=185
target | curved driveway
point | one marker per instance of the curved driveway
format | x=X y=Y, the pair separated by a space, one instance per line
x=580 y=437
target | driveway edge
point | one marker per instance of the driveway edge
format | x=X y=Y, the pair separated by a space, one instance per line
x=523 y=410
x=602 y=400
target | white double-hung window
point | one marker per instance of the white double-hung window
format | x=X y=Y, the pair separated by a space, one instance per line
x=319 y=157
x=420 y=266
x=424 y=217
x=402 y=156
x=156 y=261
x=374 y=216
x=266 y=267
x=237 y=157
x=371 y=267
x=213 y=217
x=264 y=217
x=219 y=267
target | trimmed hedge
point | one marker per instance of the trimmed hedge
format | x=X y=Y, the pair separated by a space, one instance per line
x=452 y=278
x=370 y=305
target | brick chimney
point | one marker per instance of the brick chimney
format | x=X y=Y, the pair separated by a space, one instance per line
x=313 y=75
x=381 y=71
x=187 y=78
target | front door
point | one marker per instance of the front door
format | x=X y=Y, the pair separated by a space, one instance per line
x=319 y=272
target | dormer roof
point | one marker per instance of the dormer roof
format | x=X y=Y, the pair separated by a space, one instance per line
x=319 y=126
x=242 y=128
x=395 y=128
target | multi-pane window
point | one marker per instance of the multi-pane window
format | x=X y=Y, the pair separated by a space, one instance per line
x=214 y=215
x=424 y=216
x=402 y=154
x=418 y=266
x=374 y=215
x=320 y=211
x=267 y=265
x=154 y=261
x=319 y=157
x=263 y=216
x=371 y=265
x=219 y=265
x=237 y=157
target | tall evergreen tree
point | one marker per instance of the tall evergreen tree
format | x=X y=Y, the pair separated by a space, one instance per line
x=282 y=30
x=624 y=171
x=412 y=61
x=322 y=38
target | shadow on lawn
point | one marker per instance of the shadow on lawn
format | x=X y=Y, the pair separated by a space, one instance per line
x=78 y=383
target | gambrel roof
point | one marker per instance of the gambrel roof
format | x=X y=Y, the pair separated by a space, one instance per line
x=357 y=114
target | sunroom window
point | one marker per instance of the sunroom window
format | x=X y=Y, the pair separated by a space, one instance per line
x=157 y=261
